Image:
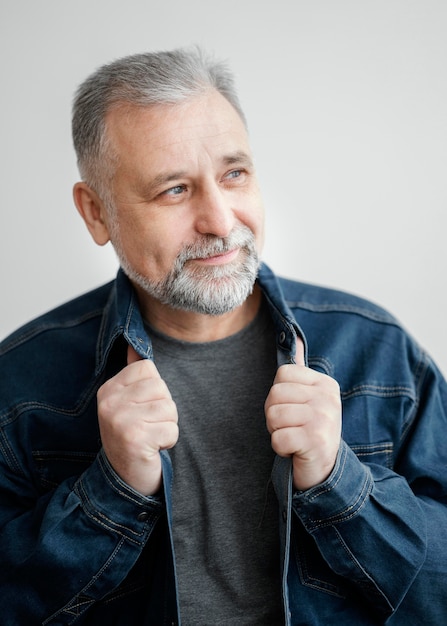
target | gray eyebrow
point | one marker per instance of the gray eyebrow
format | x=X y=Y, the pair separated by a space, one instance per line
x=238 y=157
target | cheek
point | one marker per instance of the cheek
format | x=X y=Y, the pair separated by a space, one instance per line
x=152 y=248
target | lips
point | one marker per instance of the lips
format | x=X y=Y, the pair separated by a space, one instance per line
x=218 y=259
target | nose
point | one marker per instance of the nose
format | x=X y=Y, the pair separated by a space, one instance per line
x=214 y=212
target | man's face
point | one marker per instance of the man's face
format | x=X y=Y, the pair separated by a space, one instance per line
x=187 y=220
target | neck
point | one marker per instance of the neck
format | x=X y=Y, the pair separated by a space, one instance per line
x=196 y=327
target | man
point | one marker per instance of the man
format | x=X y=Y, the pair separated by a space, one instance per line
x=171 y=443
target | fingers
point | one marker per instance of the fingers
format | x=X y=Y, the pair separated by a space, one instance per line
x=293 y=388
x=137 y=369
x=137 y=392
x=137 y=418
x=303 y=417
x=300 y=395
x=287 y=415
x=297 y=373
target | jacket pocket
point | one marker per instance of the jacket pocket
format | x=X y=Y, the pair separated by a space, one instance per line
x=312 y=569
x=55 y=466
x=377 y=453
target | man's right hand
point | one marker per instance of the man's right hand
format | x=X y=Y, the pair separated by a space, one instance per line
x=137 y=418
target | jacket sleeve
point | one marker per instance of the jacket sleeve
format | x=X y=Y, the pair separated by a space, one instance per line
x=62 y=552
x=385 y=530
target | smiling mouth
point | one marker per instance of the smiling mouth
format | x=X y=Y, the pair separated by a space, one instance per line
x=218 y=259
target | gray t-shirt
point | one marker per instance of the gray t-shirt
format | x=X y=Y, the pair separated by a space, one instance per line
x=225 y=513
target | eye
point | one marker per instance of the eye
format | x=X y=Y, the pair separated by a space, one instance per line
x=234 y=174
x=175 y=191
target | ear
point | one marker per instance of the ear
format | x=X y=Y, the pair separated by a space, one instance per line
x=92 y=211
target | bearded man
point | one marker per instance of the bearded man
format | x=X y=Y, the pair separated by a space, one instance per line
x=171 y=444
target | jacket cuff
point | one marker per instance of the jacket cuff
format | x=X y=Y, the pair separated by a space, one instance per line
x=110 y=502
x=340 y=497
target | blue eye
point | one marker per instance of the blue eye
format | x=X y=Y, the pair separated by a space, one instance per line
x=235 y=174
x=175 y=191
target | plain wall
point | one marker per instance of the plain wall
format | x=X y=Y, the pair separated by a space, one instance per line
x=347 y=108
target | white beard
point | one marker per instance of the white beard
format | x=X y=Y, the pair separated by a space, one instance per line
x=210 y=290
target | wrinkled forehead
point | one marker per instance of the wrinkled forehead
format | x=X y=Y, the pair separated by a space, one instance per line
x=208 y=115
x=148 y=140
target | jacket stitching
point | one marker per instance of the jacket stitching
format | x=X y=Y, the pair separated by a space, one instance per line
x=367 y=580
x=379 y=390
x=13 y=414
x=383 y=318
x=102 y=519
x=349 y=512
x=78 y=600
x=419 y=374
x=28 y=334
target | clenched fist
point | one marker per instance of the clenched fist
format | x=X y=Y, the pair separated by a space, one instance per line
x=303 y=412
x=137 y=419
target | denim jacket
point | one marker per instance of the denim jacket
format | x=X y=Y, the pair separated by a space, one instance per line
x=79 y=546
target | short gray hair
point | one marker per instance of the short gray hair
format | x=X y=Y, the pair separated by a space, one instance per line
x=141 y=80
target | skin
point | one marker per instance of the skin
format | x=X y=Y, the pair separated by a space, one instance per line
x=185 y=171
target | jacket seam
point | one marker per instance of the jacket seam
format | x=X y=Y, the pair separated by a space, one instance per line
x=419 y=374
x=363 y=571
x=382 y=318
x=18 y=410
x=9 y=455
x=114 y=485
x=27 y=335
x=350 y=511
x=382 y=391
x=105 y=521
x=74 y=603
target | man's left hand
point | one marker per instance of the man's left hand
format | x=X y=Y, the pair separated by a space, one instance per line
x=303 y=412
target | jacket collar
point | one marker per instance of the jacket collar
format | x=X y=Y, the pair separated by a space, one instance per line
x=122 y=318
x=287 y=329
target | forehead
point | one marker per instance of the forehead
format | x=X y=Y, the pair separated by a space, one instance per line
x=207 y=122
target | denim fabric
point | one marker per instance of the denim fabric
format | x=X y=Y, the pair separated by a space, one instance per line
x=79 y=546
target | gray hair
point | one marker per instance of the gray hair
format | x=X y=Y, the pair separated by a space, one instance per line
x=141 y=80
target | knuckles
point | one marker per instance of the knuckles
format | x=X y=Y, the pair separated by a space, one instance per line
x=116 y=399
x=303 y=403
x=137 y=418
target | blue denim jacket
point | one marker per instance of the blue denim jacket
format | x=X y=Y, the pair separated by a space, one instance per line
x=79 y=546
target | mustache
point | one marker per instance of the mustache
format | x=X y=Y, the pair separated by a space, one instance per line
x=210 y=245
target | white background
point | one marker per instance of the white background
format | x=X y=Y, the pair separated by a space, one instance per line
x=347 y=107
